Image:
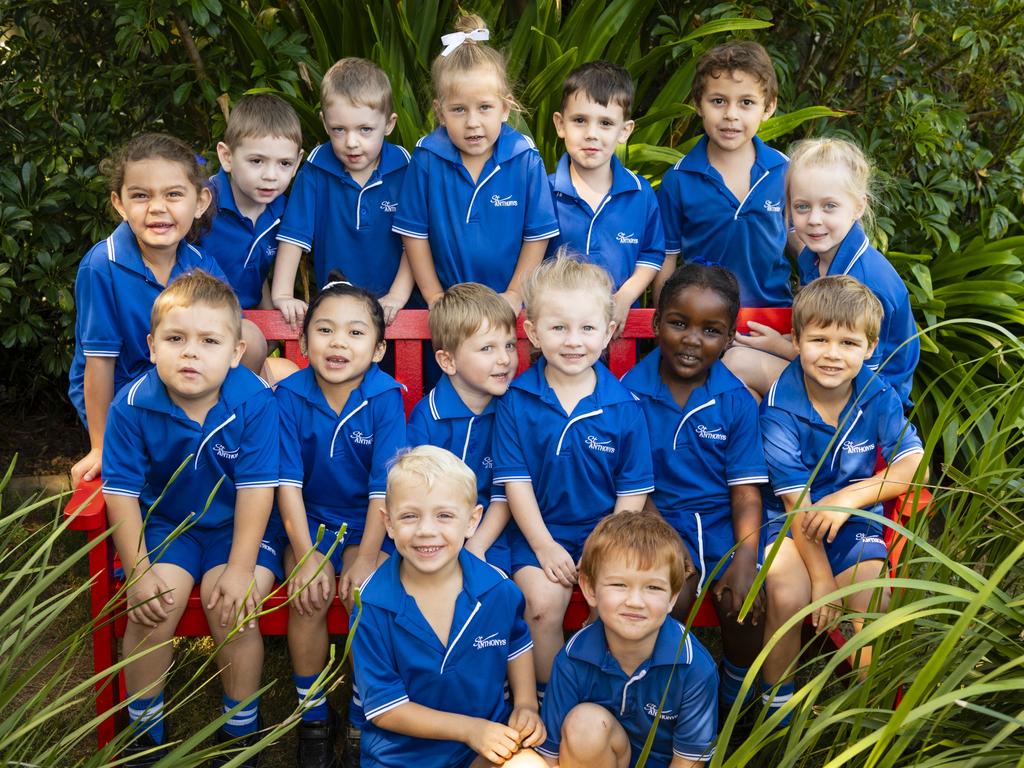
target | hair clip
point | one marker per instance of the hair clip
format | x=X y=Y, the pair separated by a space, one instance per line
x=334 y=283
x=453 y=40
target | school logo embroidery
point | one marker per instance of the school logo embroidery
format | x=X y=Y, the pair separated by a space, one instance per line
x=862 y=447
x=225 y=453
x=360 y=439
x=869 y=538
x=596 y=445
x=629 y=239
x=388 y=207
x=771 y=207
x=503 y=202
x=652 y=709
x=270 y=251
x=711 y=434
x=487 y=463
x=491 y=641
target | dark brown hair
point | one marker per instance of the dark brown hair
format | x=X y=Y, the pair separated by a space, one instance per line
x=737 y=56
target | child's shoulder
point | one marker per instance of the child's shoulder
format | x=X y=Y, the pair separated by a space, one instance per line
x=443 y=403
x=788 y=393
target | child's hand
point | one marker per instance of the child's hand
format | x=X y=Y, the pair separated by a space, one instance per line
x=474 y=548
x=828 y=614
x=556 y=564
x=353 y=577
x=736 y=580
x=294 y=310
x=390 y=304
x=310 y=585
x=823 y=524
x=494 y=741
x=87 y=468
x=146 y=600
x=514 y=300
x=238 y=596
x=531 y=728
x=619 y=315
x=766 y=339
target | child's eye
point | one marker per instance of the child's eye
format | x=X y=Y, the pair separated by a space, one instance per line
x=830 y=206
x=486 y=348
x=578 y=120
x=557 y=327
x=801 y=207
x=510 y=346
x=589 y=328
x=749 y=102
x=655 y=588
x=712 y=331
x=211 y=340
x=717 y=100
x=256 y=160
x=356 y=332
x=606 y=123
x=173 y=338
x=366 y=130
x=324 y=330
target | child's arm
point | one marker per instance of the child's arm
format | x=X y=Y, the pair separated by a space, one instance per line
x=629 y=292
x=309 y=586
x=421 y=263
x=497 y=742
x=739 y=574
x=663 y=275
x=236 y=590
x=530 y=256
x=147 y=592
x=282 y=290
x=398 y=294
x=525 y=718
x=554 y=560
x=495 y=519
x=766 y=339
x=634 y=472
x=369 y=550
x=99 y=393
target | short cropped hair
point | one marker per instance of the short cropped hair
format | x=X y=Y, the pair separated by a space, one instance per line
x=197 y=287
x=642 y=539
x=462 y=310
x=566 y=272
x=360 y=81
x=738 y=56
x=426 y=464
x=261 y=115
x=603 y=82
x=837 y=300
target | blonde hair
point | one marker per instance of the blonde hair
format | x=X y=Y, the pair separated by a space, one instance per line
x=469 y=57
x=462 y=310
x=566 y=272
x=642 y=539
x=260 y=115
x=426 y=465
x=197 y=287
x=835 y=154
x=837 y=300
x=359 y=81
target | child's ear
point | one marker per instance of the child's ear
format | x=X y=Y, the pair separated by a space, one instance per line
x=627 y=131
x=769 y=110
x=531 y=332
x=588 y=590
x=378 y=353
x=559 y=121
x=383 y=512
x=152 y=352
x=115 y=200
x=655 y=322
x=871 y=349
x=446 y=361
x=862 y=205
x=204 y=201
x=239 y=351
x=474 y=520
x=390 y=126
x=731 y=339
x=438 y=114
x=224 y=155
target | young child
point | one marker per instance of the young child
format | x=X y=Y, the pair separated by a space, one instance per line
x=473 y=331
x=723 y=202
x=707 y=453
x=158 y=188
x=828 y=193
x=200 y=412
x=570 y=443
x=341 y=423
x=476 y=205
x=617 y=675
x=439 y=633
x=825 y=422
x=344 y=199
x=606 y=212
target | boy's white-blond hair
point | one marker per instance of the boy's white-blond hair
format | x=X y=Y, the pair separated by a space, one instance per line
x=426 y=464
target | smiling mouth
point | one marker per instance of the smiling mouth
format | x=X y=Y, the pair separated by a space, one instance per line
x=336 y=361
x=428 y=551
x=688 y=359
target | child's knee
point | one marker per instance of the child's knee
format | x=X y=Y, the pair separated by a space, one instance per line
x=590 y=730
x=786 y=596
x=547 y=606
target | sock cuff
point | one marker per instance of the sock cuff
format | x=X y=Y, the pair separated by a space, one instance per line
x=733 y=671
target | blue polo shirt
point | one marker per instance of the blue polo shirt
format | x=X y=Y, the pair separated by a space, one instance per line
x=114 y=295
x=442 y=419
x=579 y=462
x=586 y=672
x=339 y=461
x=796 y=439
x=706 y=222
x=476 y=229
x=148 y=437
x=700 y=451
x=243 y=250
x=624 y=232
x=398 y=658
x=858 y=259
x=347 y=226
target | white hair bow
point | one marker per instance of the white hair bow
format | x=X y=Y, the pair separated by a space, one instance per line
x=453 y=40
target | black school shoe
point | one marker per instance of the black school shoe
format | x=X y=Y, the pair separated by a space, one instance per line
x=143 y=743
x=238 y=743
x=316 y=739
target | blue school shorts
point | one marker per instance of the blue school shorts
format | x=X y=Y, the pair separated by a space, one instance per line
x=198 y=550
x=858 y=540
x=353 y=535
x=571 y=537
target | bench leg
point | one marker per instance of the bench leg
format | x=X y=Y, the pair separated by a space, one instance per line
x=104 y=639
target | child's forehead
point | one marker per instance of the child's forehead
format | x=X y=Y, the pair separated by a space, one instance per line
x=857 y=328
x=410 y=489
x=479 y=82
x=735 y=77
x=341 y=107
x=625 y=562
x=342 y=308
x=581 y=100
x=209 y=315
x=267 y=144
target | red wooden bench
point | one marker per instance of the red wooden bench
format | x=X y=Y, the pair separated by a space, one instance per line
x=407 y=334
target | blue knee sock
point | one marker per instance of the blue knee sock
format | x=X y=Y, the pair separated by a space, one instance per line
x=774 y=700
x=316 y=703
x=147 y=716
x=731 y=680
x=356 y=717
x=245 y=720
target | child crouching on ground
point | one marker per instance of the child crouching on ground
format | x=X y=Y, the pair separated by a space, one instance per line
x=439 y=633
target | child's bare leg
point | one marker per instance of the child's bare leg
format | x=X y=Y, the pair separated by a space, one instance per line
x=789 y=591
x=593 y=738
x=277 y=368
x=347 y=558
x=145 y=675
x=307 y=632
x=757 y=369
x=859 y=602
x=525 y=758
x=255 y=354
x=687 y=597
x=546 y=602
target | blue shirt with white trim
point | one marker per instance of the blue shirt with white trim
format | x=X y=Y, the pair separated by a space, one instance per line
x=704 y=220
x=339 y=460
x=398 y=659
x=476 y=229
x=148 y=438
x=579 y=462
x=243 y=250
x=679 y=669
x=347 y=226
x=624 y=232
x=796 y=437
x=857 y=258
x=444 y=420
x=114 y=295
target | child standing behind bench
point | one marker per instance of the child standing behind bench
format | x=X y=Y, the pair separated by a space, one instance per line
x=439 y=633
x=474 y=336
x=198 y=408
